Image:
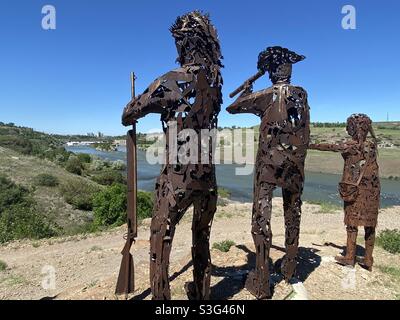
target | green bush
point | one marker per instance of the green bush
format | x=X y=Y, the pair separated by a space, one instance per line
x=84 y=158
x=19 y=218
x=118 y=165
x=98 y=165
x=74 y=165
x=16 y=143
x=79 y=194
x=46 y=180
x=389 y=240
x=109 y=206
x=223 y=246
x=109 y=177
x=10 y=193
x=145 y=205
x=22 y=221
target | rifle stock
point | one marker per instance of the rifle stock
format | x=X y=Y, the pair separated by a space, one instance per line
x=126 y=277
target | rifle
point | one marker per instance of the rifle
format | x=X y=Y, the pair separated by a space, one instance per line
x=126 y=277
x=248 y=82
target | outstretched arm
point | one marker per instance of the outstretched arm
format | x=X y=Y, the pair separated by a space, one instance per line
x=324 y=147
x=340 y=147
x=161 y=94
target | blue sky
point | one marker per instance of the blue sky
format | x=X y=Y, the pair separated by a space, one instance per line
x=75 y=79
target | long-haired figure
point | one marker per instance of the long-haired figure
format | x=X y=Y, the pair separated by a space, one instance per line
x=360 y=186
x=188 y=98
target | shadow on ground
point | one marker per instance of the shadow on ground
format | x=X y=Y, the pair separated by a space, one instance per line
x=234 y=277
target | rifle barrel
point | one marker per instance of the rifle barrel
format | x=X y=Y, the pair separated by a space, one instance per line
x=252 y=79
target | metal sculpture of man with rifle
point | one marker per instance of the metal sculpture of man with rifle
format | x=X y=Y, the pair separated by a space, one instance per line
x=283 y=143
x=187 y=98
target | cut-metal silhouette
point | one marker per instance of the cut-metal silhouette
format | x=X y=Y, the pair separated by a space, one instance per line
x=126 y=277
x=283 y=143
x=360 y=186
x=187 y=98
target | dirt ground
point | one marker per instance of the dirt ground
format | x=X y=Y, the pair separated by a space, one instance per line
x=86 y=266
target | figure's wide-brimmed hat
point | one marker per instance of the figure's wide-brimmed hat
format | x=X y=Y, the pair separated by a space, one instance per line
x=272 y=57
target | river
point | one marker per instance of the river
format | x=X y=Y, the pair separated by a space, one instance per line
x=318 y=186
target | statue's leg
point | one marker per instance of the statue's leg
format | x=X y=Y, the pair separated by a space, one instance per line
x=258 y=280
x=368 y=260
x=292 y=212
x=162 y=233
x=204 y=210
x=350 y=257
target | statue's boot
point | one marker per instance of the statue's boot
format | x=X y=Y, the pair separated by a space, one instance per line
x=368 y=260
x=257 y=283
x=350 y=258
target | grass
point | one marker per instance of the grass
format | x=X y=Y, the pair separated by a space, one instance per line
x=45 y=180
x=3 y=265
x=36 y=244
x=13 y=280
x=224 y=193
x=391 y=271
x=96 y=248
x=389 y=240
x=326 y=207
x=223 y=246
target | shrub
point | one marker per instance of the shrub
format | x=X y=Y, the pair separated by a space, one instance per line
x=3 y=265
x=22 y=221
x=84 y=158
x=10 y=193
x=109 y=177
x=223 y=246
x=145 y=205
x=74 y=165
x=110 y=205
x=79 y=194
x=18 y=215
x=118 y=165
x=46 y=180
x=389 y=240
x=98 y=165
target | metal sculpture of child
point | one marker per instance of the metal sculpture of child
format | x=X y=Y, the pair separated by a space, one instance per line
x=360 y=186
x=190 y=97
x=283 y=143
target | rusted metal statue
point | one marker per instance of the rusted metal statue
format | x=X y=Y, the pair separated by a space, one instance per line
x=188 y=98
x=283 y=143
x=360 y=186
